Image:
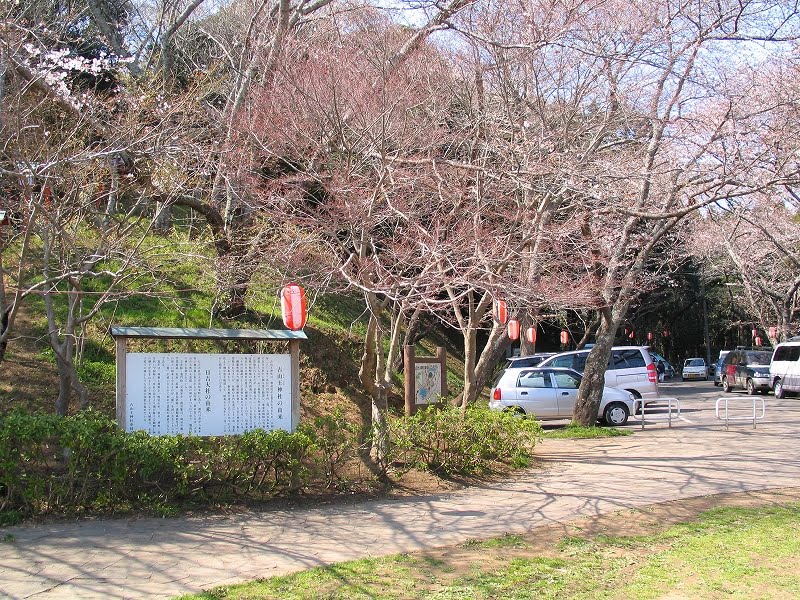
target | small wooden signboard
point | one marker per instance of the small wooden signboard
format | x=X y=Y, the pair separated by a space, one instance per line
x=425 y=378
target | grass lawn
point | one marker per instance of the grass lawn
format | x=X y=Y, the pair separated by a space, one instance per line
x=573 y=431
x=729 y=552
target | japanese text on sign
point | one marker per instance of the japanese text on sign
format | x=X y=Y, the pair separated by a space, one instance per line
x=207 y=394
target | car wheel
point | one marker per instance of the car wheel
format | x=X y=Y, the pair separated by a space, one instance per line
x=779 y=393
x=726 y=387
x=716 y=383
x=751 y=388
x=616 y=414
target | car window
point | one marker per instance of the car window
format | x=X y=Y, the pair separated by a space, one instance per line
x=567 y=381
x=695 y=362
x=528 y=361
x=580 y=362
x=535 y=380
x=787 y=353
x=758 y=358
x=782 y=353
x=562 y=361
x=627 y=359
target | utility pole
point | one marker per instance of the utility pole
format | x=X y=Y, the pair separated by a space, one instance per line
x=705 y=324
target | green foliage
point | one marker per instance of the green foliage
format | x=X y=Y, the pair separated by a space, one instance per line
x=575 y=431
x=337 y=443
x=86 y=463
x=97 y=372
x=448 y=441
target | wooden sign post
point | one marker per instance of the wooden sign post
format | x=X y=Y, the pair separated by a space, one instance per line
x=207 y=394
x=425 y=378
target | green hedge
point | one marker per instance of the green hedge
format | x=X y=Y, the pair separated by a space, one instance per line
x=85 y=463
x=448 y=441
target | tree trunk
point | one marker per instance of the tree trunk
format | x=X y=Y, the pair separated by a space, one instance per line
x=591 y=390
x=493 y=352
x=380 y=429
x=4 y=325
x=525 y=347
x=412 y=336
x=162 y=222
x=471 y=390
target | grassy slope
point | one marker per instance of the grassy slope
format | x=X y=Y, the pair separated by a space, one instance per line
x=183 y=294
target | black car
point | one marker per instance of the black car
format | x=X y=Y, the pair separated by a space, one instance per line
x=747 y=369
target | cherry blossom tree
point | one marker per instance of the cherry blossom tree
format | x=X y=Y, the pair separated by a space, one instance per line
x=645 y=127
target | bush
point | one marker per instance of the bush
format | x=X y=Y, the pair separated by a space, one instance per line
x=337 y=443
x=448 y=441
x=85 y=463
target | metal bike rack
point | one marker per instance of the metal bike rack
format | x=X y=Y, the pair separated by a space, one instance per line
x=755 y=416
x=672 y=403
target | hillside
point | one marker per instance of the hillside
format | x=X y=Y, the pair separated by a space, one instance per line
x=329 y=359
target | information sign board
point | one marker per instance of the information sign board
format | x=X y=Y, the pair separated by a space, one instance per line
x=427 y=382
x=207 y=394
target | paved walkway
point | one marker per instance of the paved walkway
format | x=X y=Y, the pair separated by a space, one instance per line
x=161 y=558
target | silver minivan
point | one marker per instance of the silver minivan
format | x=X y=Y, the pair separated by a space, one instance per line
x=629 y=368
x=784 y=370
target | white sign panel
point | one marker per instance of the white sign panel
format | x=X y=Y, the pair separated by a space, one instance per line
x=208 y=394
x=427 y=382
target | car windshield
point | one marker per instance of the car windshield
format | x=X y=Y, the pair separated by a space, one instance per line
x=759 y=358
x=695 y=362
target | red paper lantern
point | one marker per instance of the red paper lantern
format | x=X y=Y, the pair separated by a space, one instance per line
x=755 y=332
x=501 y=311
x=564 y=337
x=649 y=336
x=530 y=335
x=773 y=332
x=293 y=307
x=513 y=329
x=758 y=341
x=631 y=335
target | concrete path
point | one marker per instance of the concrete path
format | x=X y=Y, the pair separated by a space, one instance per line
x=161 y=558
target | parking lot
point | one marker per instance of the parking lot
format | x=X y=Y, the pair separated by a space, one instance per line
x=698 y=401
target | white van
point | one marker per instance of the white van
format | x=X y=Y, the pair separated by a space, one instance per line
x=784 y=370
x=629 y=368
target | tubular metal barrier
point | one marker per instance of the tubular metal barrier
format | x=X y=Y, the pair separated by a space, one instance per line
x=754 y=417
x=672 y=403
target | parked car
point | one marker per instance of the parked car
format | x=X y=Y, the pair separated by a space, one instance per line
x=669 y=370
x=718 y=367
x=630 y=368
x=694 y=368
x=748 y=369
x=550 y=393
x=784 y=370
x=524 y=362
